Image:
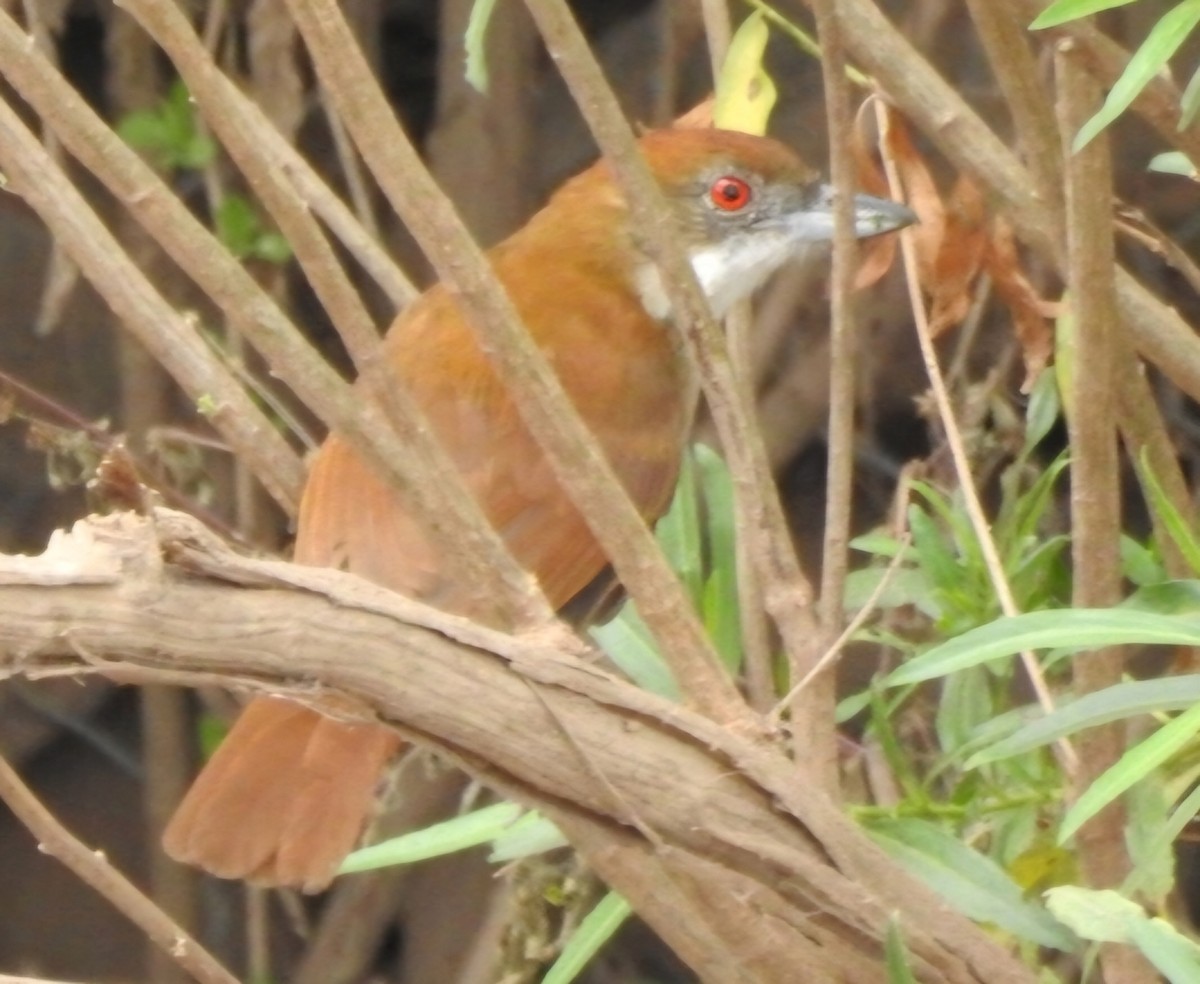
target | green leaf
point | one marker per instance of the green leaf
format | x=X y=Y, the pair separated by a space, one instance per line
x=1173 y=161
x=1179 y=528
x=1163 y=842
x=237 y=225
x=1062 y=11
x=1139 y=563
x=458 y=834
x=898 y=969
x=272 y=247
x=532 y=834
x=1136 y=764
x=595 y=929
x=1162 y=42
x=745 y=92
x=721 y=607
x=475 y=42
x=969 y=881
x=679 y=533
x=1103 y=916
x=627 y=642
x=1189 y=103
x=1043 y=410
x=1092 y=710
x=1174 y=955
x=1078 y=629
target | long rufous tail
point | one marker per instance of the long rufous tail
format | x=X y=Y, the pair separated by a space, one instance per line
x=284 y=799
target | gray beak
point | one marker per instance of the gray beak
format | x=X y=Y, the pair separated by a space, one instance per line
x=872 y=217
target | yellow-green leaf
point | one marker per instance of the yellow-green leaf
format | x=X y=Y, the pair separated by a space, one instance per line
x=745 y=92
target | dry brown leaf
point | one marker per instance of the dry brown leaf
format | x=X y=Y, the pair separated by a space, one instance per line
x=959 y=257
x=922 y=195
x=875 y=256
x=1029 y=310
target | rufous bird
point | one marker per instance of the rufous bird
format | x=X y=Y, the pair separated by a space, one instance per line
x=288 y=793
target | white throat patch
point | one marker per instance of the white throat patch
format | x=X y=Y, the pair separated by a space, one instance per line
x=728 y=271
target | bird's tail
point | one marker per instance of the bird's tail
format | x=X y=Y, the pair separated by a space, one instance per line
x=284 y=799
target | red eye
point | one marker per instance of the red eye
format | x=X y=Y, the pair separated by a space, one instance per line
x=730 y=193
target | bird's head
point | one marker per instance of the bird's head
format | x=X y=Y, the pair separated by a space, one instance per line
x=742 y=206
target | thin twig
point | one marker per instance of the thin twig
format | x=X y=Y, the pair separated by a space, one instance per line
x=812 y=719
x=834 y=652
x=92 y=867
x=958 y=451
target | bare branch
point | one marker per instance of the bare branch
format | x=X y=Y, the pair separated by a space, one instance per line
x=92 y=867
x=728 y=818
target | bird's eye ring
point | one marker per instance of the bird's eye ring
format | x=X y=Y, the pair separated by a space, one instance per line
x=730 y=193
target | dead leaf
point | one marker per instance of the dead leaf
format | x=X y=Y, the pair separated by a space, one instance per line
x=959 y=257
x=1030 y=311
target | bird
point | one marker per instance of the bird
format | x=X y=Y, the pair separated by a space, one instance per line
x=290 y=791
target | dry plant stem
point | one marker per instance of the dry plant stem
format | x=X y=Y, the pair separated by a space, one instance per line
x=1095 y=473
x=787 y=593
x=578 y=462
x=1160 y=334
x=834 y=652
x=356 y=181
x=91 y=867
x=757 y=657
x=257 y=317
x=1016 y=70
x=8 y=979
x=958 y=452
x=814 y=734
x=719 y=31
x=119 y=595
x=165 y=333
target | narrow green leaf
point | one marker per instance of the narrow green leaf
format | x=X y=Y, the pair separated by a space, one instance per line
x=1161 y=43
x=475 y=43
x=1189 y=102
x=458 y=834
x=1092 y=710
x=1174 y=955
x=595 y=929
x=1078 y=628
x=969 y=881
x=1133 y=766
x=1062 y=11
x=1042 y=411
x=721 y=607
x=530 y=835
x=679 y=532
x=898 y=969
x=1164 y=839
x=1172 y=162
x=1178 y=527
x=627 y=642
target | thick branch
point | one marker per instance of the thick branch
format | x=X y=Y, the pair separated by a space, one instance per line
x=631 y=776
